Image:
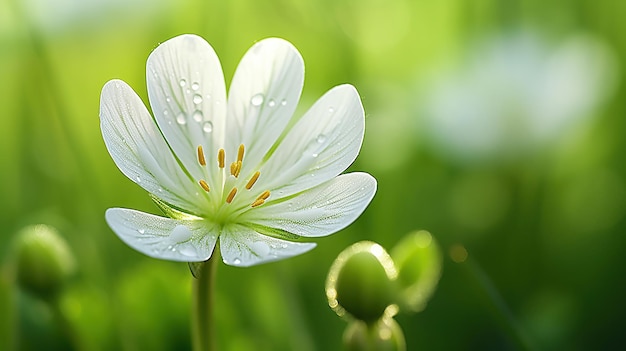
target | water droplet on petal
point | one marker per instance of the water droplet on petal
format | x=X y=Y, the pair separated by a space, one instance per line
x=271 y=103
x=181 y=119
x=331 y=109
x=207 y=127
x=166 y=112
x=195 y=86
x=138 y=178
x=188 y=250
x=197 y=99
x=168 y=99
x=321 y=138
x=260 y=248
x=180 y=233
x=197 y=116
x=257 y=100
x=284 y=102
x=182 y=82
x=141 y=231
x=237 y=261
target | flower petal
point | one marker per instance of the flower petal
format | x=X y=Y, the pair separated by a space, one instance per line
x=243 y=247
x=324 y=142
x=188 y=98
x=164 y=238
x=263 y=95
x=138 y=148
x=320 y=211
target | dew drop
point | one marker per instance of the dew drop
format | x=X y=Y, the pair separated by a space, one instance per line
x=182 y=82
x=321 y=138
x=141 y=231
x=180 y=233
x=315 y=154
x=207 y=127
x=166 y=112
x=260 y=248
x=181 y=119
x=138 y=179
x=271 y=103
x=197 y=99
x=195 y=86
x=237 y=261
x=188 y=250
x=168 y=99
x=331 y=109
x=284 y=102
x=257 y=100
x=197 y=116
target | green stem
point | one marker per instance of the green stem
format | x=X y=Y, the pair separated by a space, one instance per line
x=202 y=323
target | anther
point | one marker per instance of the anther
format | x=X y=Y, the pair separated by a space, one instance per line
x=204 y=185
x=264 y=195
x=258 y=202
x=261 y=199
x=201 y=158
x=231 y=195
x=220 y=158
x=240 y=153
x=253 y=180
x=235 y=168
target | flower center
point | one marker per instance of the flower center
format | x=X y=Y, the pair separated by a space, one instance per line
x=235 y=170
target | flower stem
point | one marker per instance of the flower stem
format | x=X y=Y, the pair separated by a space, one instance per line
x=202 y=323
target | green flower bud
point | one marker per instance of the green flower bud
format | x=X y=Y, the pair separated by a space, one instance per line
x=43 y=260
x=418 y=260
x=384 y=335
x=360 y=282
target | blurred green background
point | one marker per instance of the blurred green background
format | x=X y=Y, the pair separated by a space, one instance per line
x=540 y=211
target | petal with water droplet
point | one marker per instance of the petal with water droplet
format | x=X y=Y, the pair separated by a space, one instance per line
x=191 y=59
x=321 y=143
x=272 y=70
x=135 y=144
x=163 y=238
x=320 y=211
x=241 y=246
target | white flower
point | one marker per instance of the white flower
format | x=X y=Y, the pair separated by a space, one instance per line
x=242 y=169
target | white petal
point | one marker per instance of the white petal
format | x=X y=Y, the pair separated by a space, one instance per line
x=323 y=143
x=320 y=211
x=188 y=98
x=241 y=246
x=138 y=148
x=264 y=93
x=163 y=238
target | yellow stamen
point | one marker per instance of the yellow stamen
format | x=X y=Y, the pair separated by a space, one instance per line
x=261 y=199
x=235 y=168
x=240 y=153
x=253 y=180
x=201 y=158
x=204 y=185
x=258 y=202
x=220 y=158
x=231 y=195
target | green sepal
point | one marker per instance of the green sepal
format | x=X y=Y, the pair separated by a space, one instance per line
x=418 y=259
x=196 y=267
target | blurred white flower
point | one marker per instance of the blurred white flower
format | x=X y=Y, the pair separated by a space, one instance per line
x=514 y=95
x=240 y=169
